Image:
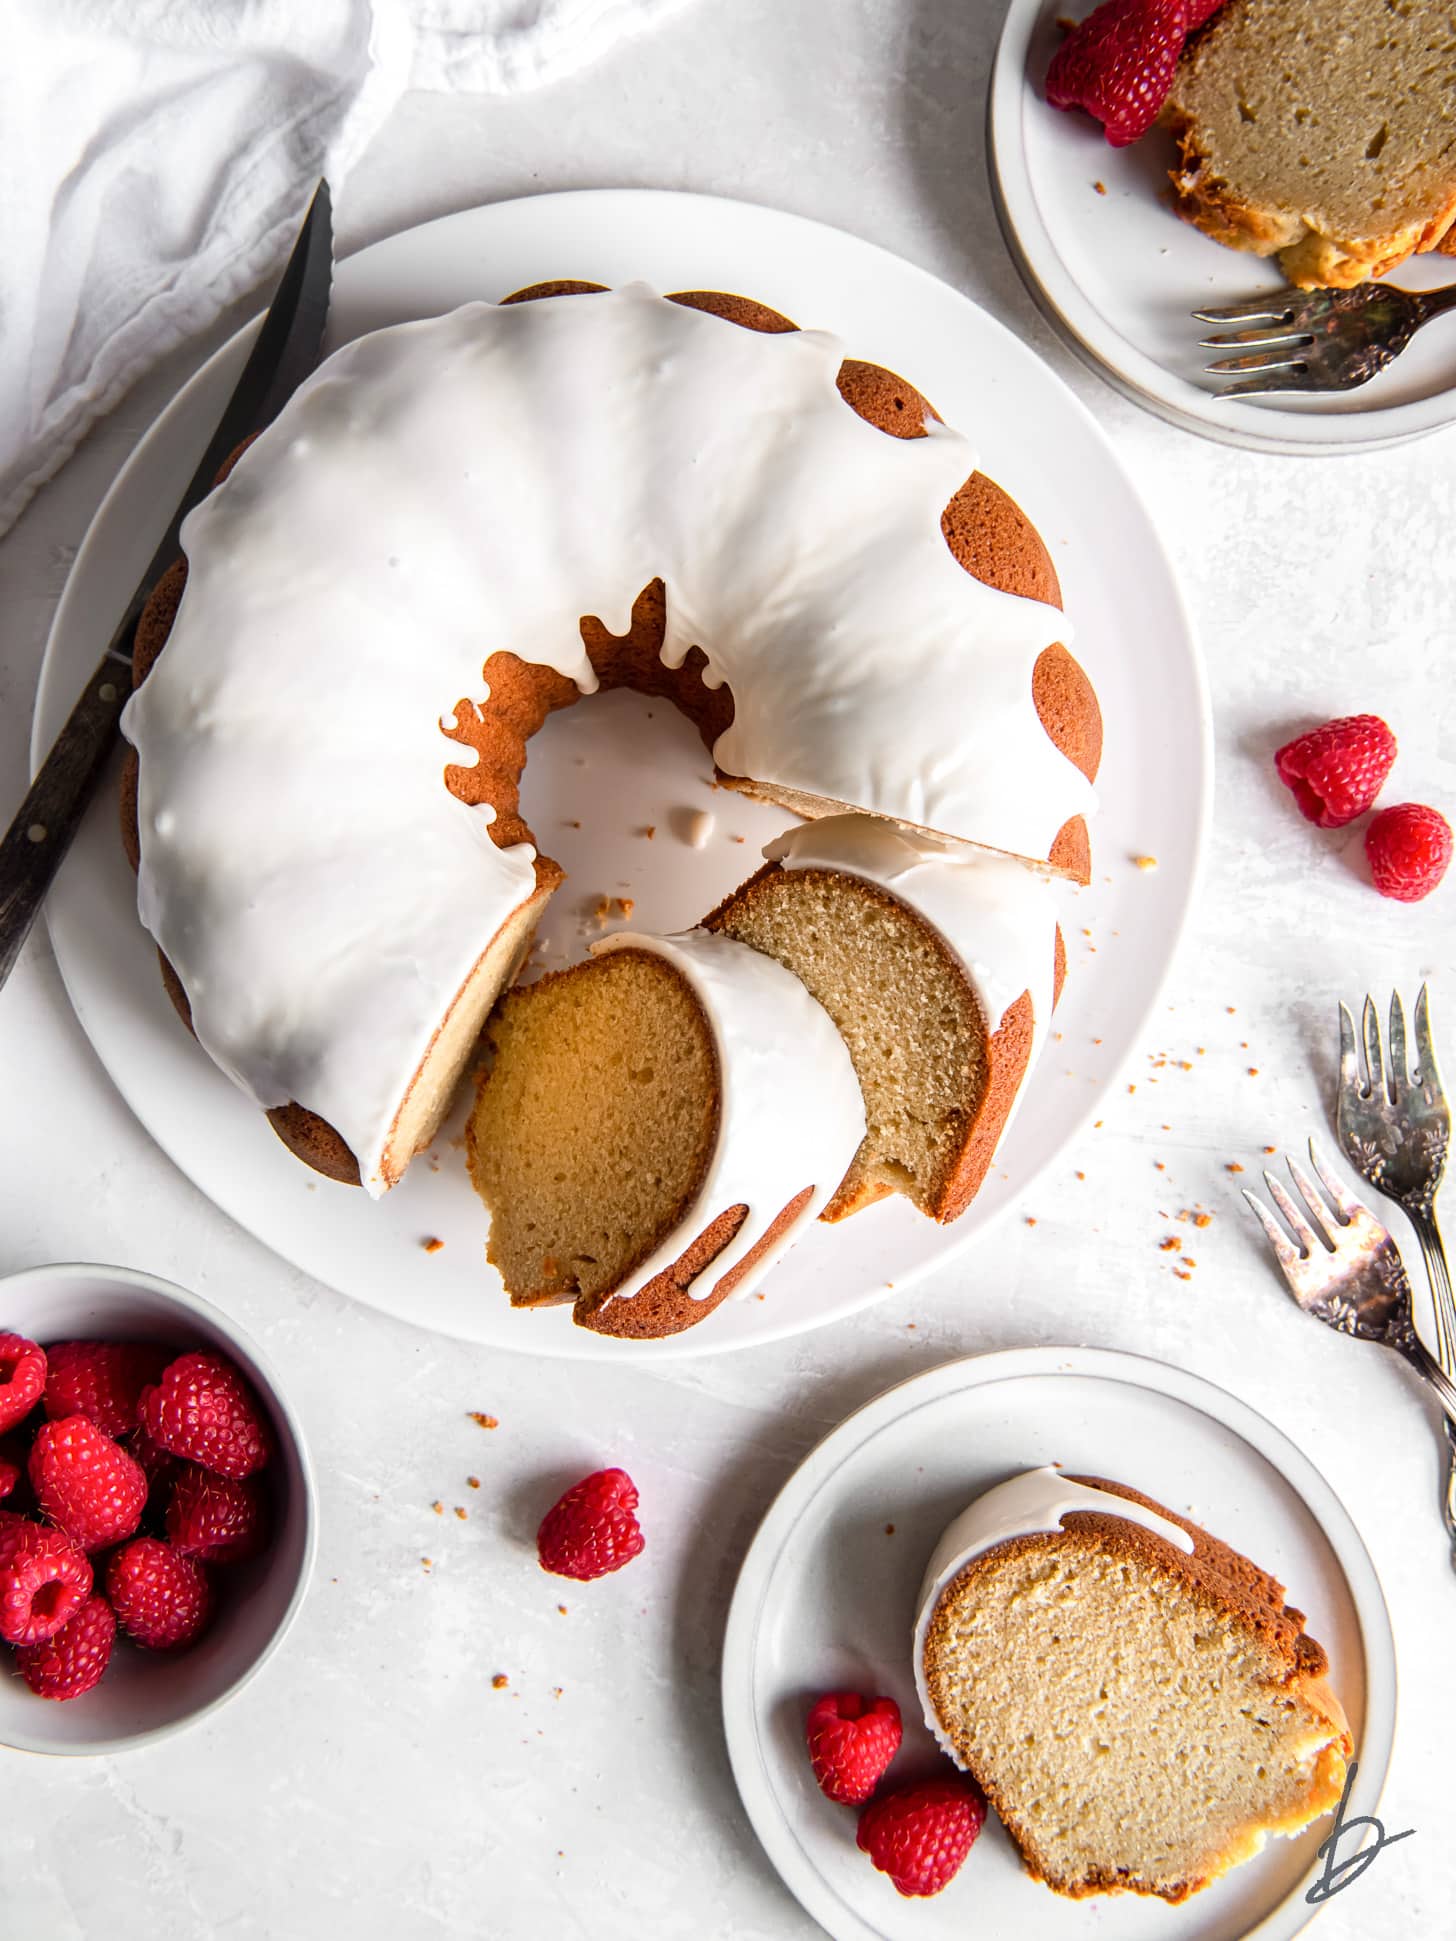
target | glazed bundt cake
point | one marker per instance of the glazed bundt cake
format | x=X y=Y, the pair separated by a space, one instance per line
x=939 y=964
x=656 y=1126
x=1137 y=1701
x=459 y=525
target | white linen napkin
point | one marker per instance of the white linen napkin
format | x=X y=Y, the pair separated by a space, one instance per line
x=159 y=154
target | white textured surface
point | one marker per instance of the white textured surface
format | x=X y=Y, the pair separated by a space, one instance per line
x=373 y=1775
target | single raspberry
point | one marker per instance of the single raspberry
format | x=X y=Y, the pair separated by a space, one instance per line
x=215 y=1518
x=159 y=1465
x=851 y=1742
x=920 y=1835
x=1337 y=771
x=593 y=1529
x=86 y=1483
x=75 y=1658
x=1118 y=64
x=204 y=1410
x=22 y=1378
x=102 y=1380
x=1409 y=848
x=44 y=1580
x=162 y=1600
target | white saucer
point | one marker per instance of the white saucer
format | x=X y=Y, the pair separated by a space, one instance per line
x=826 y=1600
x=1117 y=274
x=608 y=767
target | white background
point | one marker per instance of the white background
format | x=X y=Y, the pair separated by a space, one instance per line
x=373 y=1776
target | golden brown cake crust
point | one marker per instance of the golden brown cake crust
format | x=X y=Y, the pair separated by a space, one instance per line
x=984 y=528
x=1216 y=1575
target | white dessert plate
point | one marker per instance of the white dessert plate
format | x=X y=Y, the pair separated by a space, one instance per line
x=826 y=1601
x=1116 y=273
x=621 y=764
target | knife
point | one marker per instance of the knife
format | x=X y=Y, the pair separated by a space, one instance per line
x=284 y=353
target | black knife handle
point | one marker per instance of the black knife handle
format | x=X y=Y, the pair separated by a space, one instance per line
x=51 y=813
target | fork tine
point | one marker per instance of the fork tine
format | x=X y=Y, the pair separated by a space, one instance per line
x=1294 y=378
x=1325 y=1223
x=1289 y=1257
x=1343 y=1198
x=1374 y=1057
x=1399 y=1065
x=1278 y=308
x=1298 y=1225
x=1427 y=1071
x=1265 y=334
x=1350 y=1086
x=1287 y=354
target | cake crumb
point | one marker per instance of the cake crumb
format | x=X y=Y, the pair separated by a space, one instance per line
x=556 y=1690
x=499 y=1682
x=1253 y=1071
x=1081 y=1176
x=1233 y=1167
x=1271 y=1149
x=562 y=1609
x=1146 y=862
x=624 y=905
x=1159 y=1166
x=428 y=1562
x=461 y=1512
x=433 y=1244
x=649 y=830
x=601 y=909
x=701 y=823
x=1031 y=1219
x=1171 y=1244
x=572 y=823
x=472 y=1482
x=438 y=1507
x=889 y=1529
x=738 y=839
x=482 y=1420
x=1100 y=187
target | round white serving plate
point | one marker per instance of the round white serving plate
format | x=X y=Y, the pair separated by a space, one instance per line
x=610 y=768
x=826 y=1601
x=1117 y=274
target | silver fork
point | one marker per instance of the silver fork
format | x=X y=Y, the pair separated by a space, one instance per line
x=1318 y=340
x=1347 y=1272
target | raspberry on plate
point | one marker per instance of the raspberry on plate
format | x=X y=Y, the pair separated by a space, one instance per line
x=102 y=1380
x=851 y=1742
x=920 y=1835
x=22 y=1378
x=44 y=1580
x=202 y=1408
x=72 y=1661
x=1118 y=64
x=163 y=1600
x=1409 y=847
x=1336 y=771
x=215 y=1518
x=86 y=1483
x=593 y=1529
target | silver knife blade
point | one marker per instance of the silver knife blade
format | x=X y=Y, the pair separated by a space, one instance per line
x=284 y=352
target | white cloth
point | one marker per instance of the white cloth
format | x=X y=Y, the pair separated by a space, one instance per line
x=159 y=154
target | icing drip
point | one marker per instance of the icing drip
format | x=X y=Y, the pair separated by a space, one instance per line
x=480 y=481
x=998 y=917
x=790 y=1110
x=1035 y=1501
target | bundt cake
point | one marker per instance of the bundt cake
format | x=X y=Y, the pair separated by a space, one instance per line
x=1137 y=1701
x=939 y=965
x=1320 y=130
x=459 y=525
x=656 y=1126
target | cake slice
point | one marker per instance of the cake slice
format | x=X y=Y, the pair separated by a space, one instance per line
x=1139 y=1704
x=1323 y=131
x=654 y=1129
x=939 y=964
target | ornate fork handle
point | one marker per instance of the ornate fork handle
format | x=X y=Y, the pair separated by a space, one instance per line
x=1433 y=1253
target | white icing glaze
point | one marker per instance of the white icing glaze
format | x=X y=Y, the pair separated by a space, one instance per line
x=790 y=1110
x=700 y=827
x=479 y=481
x=1034 y=1501
x=998 y=918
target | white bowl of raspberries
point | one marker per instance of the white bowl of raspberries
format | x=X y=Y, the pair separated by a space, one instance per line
x=156 y=1509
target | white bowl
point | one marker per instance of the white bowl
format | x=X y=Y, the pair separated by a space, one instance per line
x=148 y=1695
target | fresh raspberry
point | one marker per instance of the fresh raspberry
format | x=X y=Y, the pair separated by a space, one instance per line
x=12 y=1468
x=74 y=1659
x=22 y=1378
x=204 y=1410
x=86 y=1483
x=162 y=1600
x=159 y=1465
x=215 y=1518
x=920 y=1835
x=851 y=1742
x=1118 y=64
x=102 y=1380
x=1409 y=849
x=1337 y=771
x=593 y=1529
x=44 y=1580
